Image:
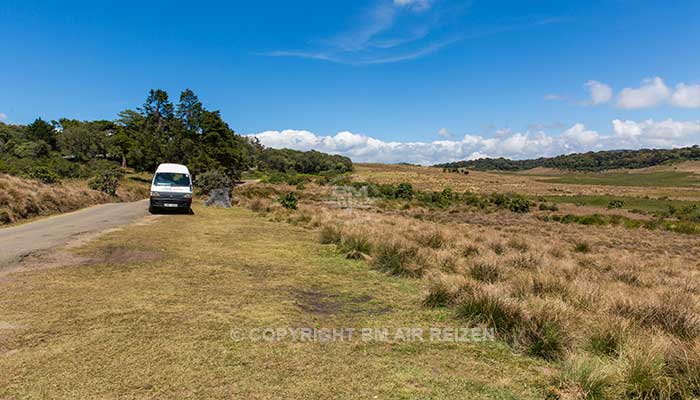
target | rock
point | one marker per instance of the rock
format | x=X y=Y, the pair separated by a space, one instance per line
x=219 y=198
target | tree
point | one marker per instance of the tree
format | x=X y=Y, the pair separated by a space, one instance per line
x=42 y=130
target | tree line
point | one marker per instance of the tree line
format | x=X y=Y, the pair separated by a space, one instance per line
x=159 y=131
x=590 y=161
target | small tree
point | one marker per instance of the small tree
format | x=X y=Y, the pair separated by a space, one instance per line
x=404 y=191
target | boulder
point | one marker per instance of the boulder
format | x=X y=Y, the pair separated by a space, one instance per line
x=219 y=198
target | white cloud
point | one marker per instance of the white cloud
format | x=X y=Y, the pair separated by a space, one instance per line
x=650 y=133
x=686 y=96
x=443 y=132
x=417 y=5
x=578 y=137
x=517 y=145
x=652 y=92
x=600 y=93
x=3 y=116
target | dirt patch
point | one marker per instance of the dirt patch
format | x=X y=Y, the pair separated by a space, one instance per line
x=323 y=303
x=124 y=255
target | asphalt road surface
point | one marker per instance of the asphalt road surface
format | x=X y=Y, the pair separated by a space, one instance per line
x=22 y=240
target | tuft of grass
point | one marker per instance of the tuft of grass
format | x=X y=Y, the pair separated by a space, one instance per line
x=397 y=257
x=330 y=234
x=582 y=247
x=447 y=291
x=497 y=247
x=432 y=239
x=493 y=310
x=469 y=251
x=486 y=271
x=356 y=242
x=543 y=334
x=588 y=378
x=518 y=244
x=673 y=313
x=608 y=338
x=644 y=374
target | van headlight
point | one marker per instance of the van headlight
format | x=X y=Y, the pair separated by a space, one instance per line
x=155 y=194
x=187 y=195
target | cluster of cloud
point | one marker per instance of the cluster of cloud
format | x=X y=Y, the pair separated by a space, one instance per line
x=651 y=92
x=516 y=145
x=3 y=116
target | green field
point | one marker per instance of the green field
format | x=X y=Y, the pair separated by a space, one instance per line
x=629 y=203
x=651 y=179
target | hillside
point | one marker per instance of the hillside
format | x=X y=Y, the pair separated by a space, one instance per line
x=591 y=161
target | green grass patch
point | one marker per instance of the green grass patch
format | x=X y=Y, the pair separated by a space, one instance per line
x=655 y=179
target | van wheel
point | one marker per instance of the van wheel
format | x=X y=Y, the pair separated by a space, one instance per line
x=152 y=210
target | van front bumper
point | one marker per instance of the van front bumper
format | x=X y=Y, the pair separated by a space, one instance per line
x=170 y=202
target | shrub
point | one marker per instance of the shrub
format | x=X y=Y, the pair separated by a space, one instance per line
x=289 y=201
x=106 y=181
x=519 y=204
x=397 y=258
x=548 y=207
x=582 y=247
x=44 y=174
x=211 y=180
x=470 y=251
x=404 y=191
x=616 y=204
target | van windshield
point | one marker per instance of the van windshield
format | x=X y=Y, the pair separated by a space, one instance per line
x=171 y=179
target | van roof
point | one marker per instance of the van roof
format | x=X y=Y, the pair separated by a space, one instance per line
x=174 y=168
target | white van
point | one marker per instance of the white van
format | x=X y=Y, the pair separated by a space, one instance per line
x=171 y=188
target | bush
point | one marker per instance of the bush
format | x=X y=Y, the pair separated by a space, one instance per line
x=404 y=191
x=106 y=181
x=582 y=247
x=616 y=204
x=211 y=180
x=44 y=175
x=289 y=201
x=544 y=335
x=519 y=204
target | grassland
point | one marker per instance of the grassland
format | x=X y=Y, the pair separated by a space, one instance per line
x=146 y=313
x=649 y=179
x=580 y=311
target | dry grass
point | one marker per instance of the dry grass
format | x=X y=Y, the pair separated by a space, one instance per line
x=554 y=292
x=21 y=199
x=161 y=328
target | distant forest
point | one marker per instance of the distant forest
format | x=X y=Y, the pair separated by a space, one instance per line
x=591 y=161
x=157 y=132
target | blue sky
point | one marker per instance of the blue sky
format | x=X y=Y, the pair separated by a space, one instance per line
x=380 y=80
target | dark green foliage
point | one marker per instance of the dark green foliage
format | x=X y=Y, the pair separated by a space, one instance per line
x=591 y=161
x=157 y=132
x=44 y=175
x=289 y=200
x=106 y=181
x=616 y=204
x=582 y=247
x=404 y=191
x=211 y=180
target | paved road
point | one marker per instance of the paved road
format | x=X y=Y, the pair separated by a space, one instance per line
x=21 y=240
